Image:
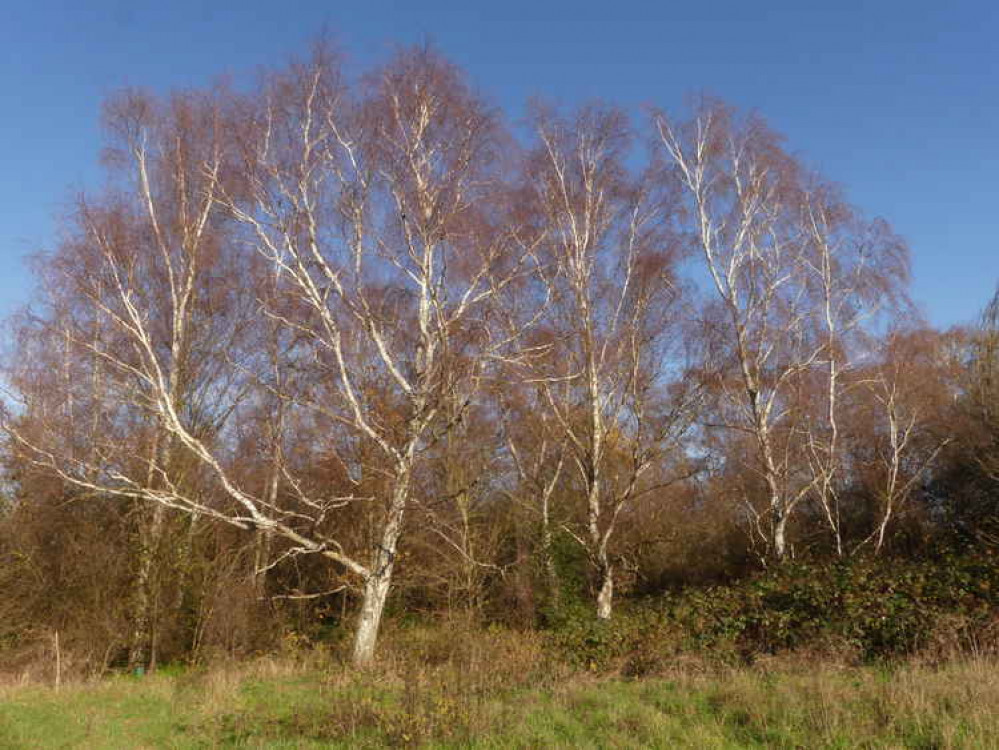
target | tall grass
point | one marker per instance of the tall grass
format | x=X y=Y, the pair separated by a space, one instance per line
x=455 y=687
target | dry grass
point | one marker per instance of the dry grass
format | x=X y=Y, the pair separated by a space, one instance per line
x=461 y=687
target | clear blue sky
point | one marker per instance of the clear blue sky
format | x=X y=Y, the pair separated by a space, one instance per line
x=898 y=101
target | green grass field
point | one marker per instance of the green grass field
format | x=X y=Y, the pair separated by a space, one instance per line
x=289 y=703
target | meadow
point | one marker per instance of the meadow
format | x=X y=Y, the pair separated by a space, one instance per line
x=439 y=687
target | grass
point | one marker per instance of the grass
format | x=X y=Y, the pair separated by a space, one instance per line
x=499 y=690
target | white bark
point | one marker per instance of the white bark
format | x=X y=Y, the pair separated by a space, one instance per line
x=376 y=590
x=610 y=290
x=379 y=580
x=756 y=267
x=605 y=596
x=351 y=208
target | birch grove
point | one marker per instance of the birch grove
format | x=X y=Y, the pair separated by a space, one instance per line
x=363 y=339
x=796 y=276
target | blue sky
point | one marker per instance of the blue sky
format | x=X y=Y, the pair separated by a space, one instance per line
x=897 y=101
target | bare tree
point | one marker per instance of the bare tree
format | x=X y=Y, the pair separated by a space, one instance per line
x=796 y=275
x=900 y=399
x=742 y=192
x=613 y=289
x=380 y=215
x=856 y=271
x=134 y=306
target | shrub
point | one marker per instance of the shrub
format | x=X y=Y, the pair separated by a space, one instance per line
x=869 y=609
x=882 y=608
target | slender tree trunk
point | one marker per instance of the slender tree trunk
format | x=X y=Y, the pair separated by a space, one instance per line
x=142 y=613
x=829 y=498
x=889 y=508
x=184 y=566
x=780 y=533
x=547 y=556
x=262 y=540
x=468 y=555
x=376 y=587
x=151 y=530
x=605 y=597
x=838 y=537
x=882 y=527
x=779 y=510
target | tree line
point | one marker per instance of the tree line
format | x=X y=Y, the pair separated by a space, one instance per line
x=336 y=336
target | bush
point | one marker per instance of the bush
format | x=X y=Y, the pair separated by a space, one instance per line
x=881 y=608
x=868 y=609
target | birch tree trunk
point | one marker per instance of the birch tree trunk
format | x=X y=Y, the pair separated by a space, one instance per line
x=150 y=531
x=141 y=648
x=547 y=552
x=379 y=579
x=611 y=291
x=605 y=596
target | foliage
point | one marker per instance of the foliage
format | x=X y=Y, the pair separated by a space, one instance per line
x=863 y=609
